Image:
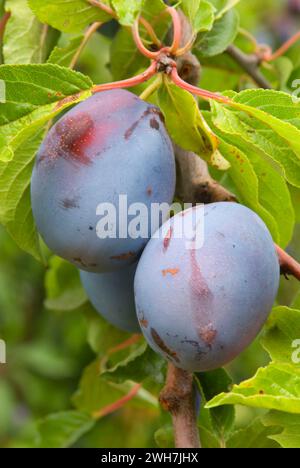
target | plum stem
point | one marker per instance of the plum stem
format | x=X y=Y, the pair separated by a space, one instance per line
x=150 y=31
x=270 y=57
x=114 y=15
x=107 y=9
x=177 y=397
x=3 y=22
x=88 y=34
x=177 y=35
x=195 y=90
x=187 y=47
x=151 y=88
x=139 y=43
x=288 y=265
x=177 y=29
x=117 y=404
x=136 y=80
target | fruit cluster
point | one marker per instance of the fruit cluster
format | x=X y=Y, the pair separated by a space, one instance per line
x=198 y=307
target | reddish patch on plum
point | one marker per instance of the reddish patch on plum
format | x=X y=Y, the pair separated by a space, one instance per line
x=201 y=302
x=170 y=271
x=75 y=135
x=149 y=191
x=125 y=256
x=198 y=284
x=167 y=239
x=162 y=345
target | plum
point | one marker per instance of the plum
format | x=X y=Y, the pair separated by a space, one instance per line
x=111 y=145
x=200 y=307
x=112 y=296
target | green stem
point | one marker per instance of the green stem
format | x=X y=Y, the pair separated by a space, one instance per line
x=152 y=88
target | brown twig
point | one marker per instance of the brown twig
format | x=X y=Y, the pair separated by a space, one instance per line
x=249 y=63
x=288 y=265
x=177 y=397
x=194 y=182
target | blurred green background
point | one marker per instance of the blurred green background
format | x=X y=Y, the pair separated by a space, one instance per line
x=47 y=351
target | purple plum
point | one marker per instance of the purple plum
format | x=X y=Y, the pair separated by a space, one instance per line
x=200 y=307
x=112 y=296
x=113 y=144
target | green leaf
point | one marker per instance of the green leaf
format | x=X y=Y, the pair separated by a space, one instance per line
x=289 y=437
x=8 y=405
x=296 y=301
x=63 y=286
x=95 y=392
x=212 y=383
x=205 y=17
x=15 y=201
x=249 y=186
x=141 y=365
x=190 y=8
x=223 y=6
x=200 y=14
x=277 y=386
x=268 y=121
x=164 y=437
x=283 y=66
x=46 y=360
x=256 y=435
x=63 y=55
x=101 y=335
x=208 y=438
x=62 y=430
x=246 y=182
x=25 y=38
x=259 y=184
x=126 y=60
x=222 y=34
x=282 y=331
x=186 y=124
x=71 y=16
x=274 y=387
x=127 y=11
x=34 y=95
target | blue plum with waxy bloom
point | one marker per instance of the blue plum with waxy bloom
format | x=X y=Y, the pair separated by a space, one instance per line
x=111 y=145
x=112 y=296
x=201 y=307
